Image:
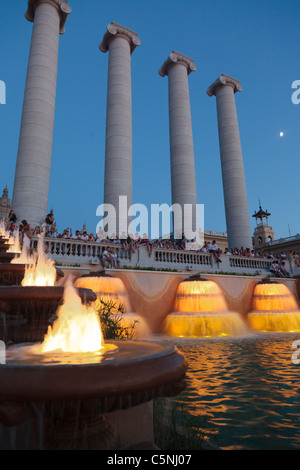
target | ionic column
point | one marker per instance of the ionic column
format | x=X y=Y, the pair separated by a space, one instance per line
x=32 y=175
x=183 y=181
x=234 y=185
x=120 y=42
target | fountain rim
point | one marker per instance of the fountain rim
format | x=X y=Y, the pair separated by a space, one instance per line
x=99 y=274
x=268 y=280
x=26 y=292
x=111 y=378
x=196 y=277
x=203 y=314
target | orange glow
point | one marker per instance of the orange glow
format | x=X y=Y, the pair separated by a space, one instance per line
x=77 y=328
x=274 y=309
x=112 y=289
x=199 y=296
x=201 y=311
x=106 y=288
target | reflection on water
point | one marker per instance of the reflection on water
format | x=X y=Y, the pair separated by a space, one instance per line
x=249 y=388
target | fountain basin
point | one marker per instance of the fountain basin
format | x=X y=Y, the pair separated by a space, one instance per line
x=74 y=397
x=6 y=257
x=4 y=247
x=132 y=372
x=11 y=274
x=26 y=312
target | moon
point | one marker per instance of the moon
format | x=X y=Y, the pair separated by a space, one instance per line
x=281 y=134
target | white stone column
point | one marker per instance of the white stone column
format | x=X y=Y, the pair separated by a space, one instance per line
x=120 y=42
x=234 y=185
x=183 y=180
x=32 y=175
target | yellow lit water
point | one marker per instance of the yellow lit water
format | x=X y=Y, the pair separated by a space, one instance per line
x=201 y=310
x=242 y=393
x=275 y=309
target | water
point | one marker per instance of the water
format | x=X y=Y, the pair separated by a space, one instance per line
x=246 y=390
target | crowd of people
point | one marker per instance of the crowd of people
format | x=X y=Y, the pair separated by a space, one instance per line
x=130 y=244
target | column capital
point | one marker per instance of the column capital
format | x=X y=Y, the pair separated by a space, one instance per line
x=113 y=30
x=61 y=5
x=177 y=58
x=224 y=80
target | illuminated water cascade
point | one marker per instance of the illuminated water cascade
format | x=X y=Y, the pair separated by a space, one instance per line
x=107 y=288
x=275 y=309
x=112 y=289
x=201 y=311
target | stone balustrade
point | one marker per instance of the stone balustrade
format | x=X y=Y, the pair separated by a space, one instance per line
x=68 y=252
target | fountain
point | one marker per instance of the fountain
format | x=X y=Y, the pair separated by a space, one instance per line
x=29 y=297
x=111 y=289
x=201 y=311
x=275 y=308
x=61 y=390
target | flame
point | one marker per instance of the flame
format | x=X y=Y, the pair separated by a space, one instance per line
x=77 y=328
x=42 y=272
x=274 y=309
x=201 y=311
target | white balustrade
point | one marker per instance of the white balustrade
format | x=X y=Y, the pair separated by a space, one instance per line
x=78 y=252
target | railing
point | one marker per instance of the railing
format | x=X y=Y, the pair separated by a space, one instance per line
x=182 y=257
x=77 y=253
x=252 y=263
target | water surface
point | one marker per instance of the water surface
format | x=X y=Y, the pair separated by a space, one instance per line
x=248 y=389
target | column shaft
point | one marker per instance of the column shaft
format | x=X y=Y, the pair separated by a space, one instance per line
x=120 y=42
x=118 y=144
x=32 y=175
x=183 y=179
x=233 y=175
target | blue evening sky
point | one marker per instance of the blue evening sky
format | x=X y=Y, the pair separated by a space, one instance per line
x=256 y=42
